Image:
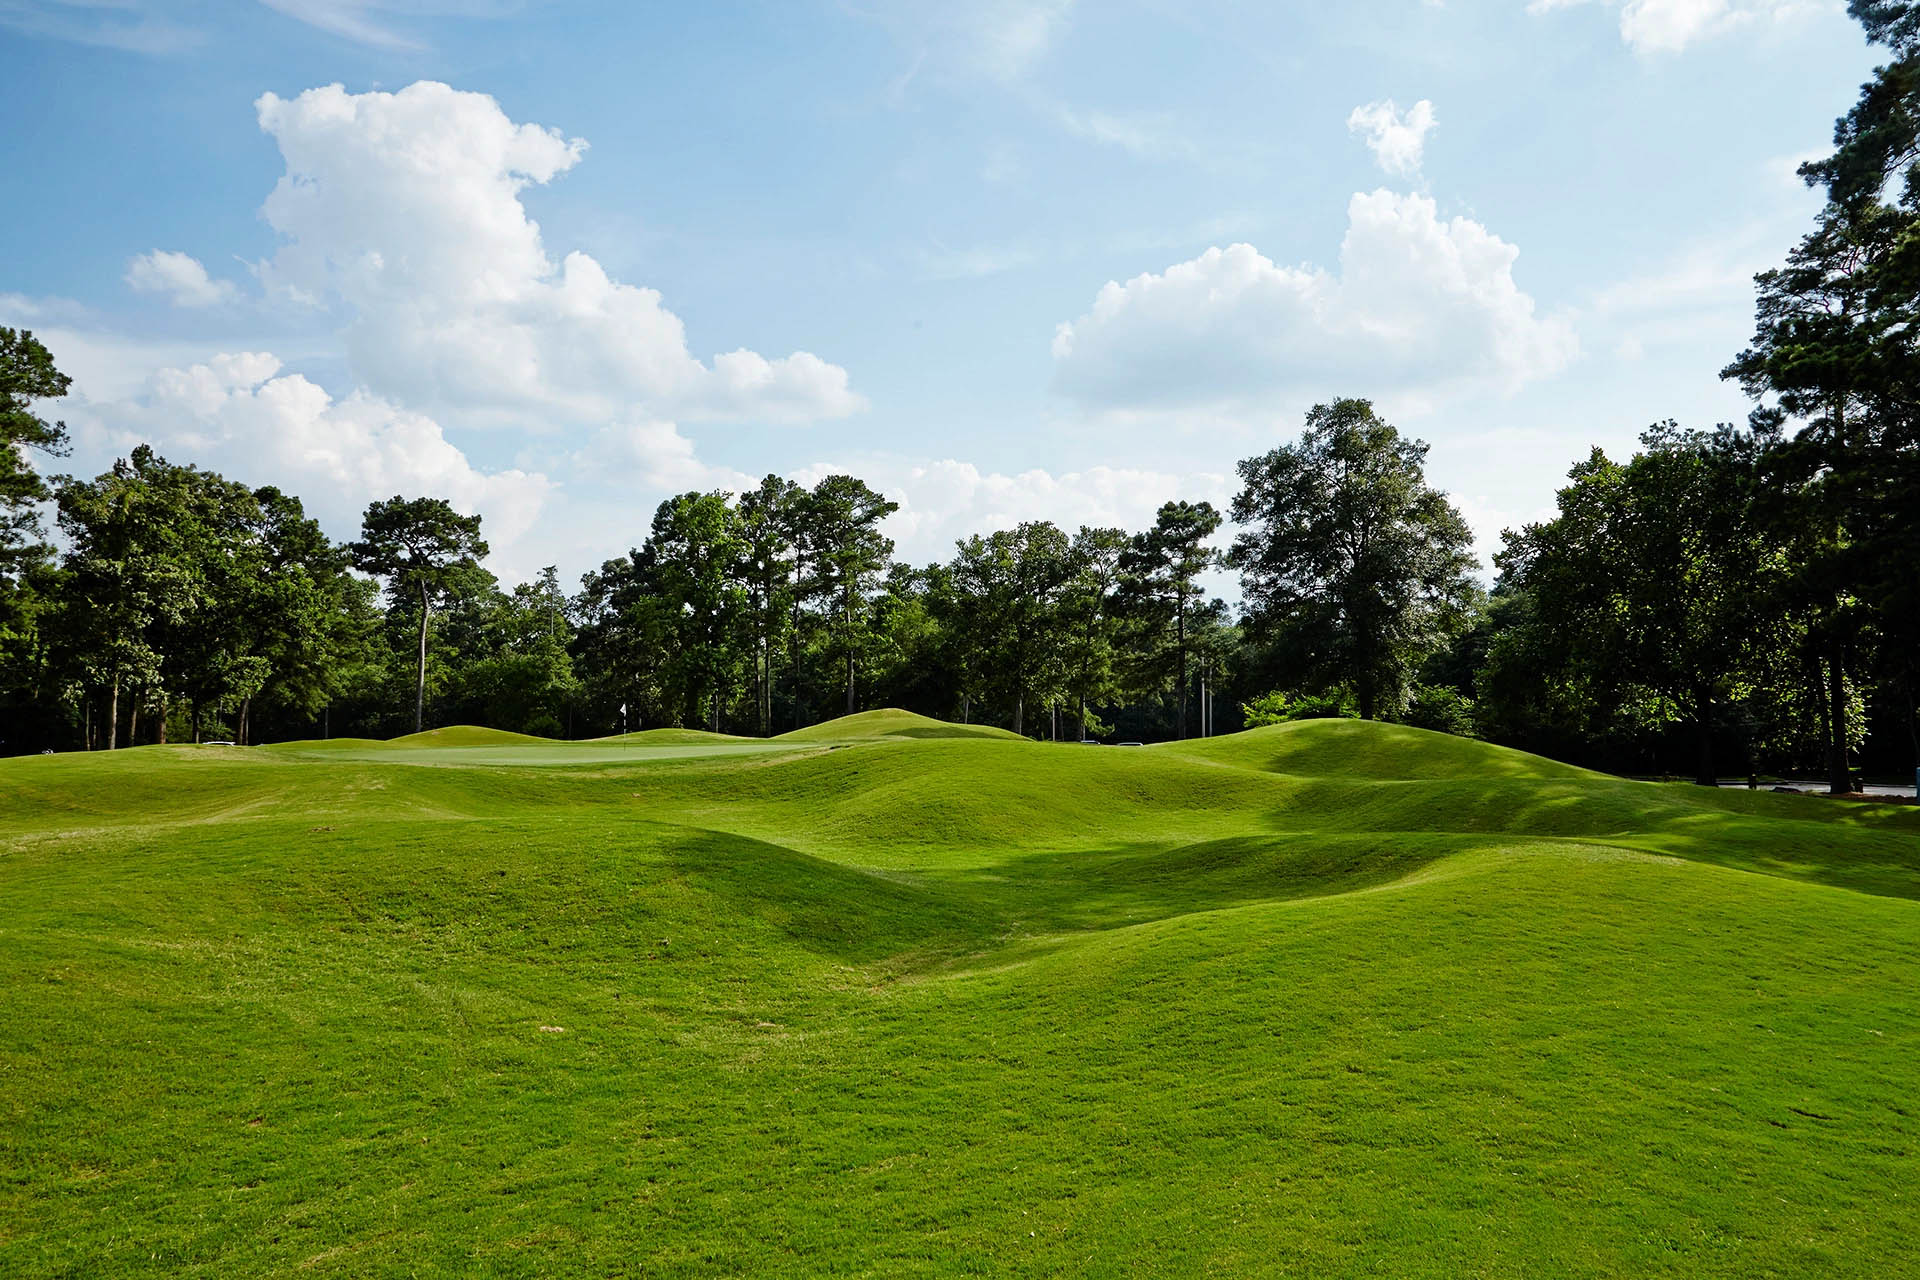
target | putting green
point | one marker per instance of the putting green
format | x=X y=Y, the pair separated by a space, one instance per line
x=1323 y=999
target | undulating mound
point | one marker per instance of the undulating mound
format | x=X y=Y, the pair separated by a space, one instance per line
x=327 y=744
x=873 y=726
x=1370 y=750
x=1329 y=998
x=465 y=735
x=673 y=738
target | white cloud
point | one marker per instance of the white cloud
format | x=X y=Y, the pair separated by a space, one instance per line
x=105 y=366
x=1669 y=26
x=652 y=457
x=238 y=414
x=942 y=500
x=1420 y=306
x=406 y=207
x=1397 y=138
x=180 y=277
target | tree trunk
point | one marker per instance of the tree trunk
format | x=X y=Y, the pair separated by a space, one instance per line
x=1839 y=778
x=1019 y=712
x=113 y=716
x=246 y=705
x=1180 y=628
x=793 y=642
x=1705 y=773
x=849 y=625
x=420 y=679
x=86 y=721
x=1913 y=730
x=194 y=711
x=1082 y=737
x=163 y=722
x=133 y=722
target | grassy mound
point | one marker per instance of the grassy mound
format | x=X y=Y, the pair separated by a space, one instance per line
x=673 y=738
x=327 y=744
x=1327 y=999
x=875 y=726
x=1364 y=749
x=464 y=735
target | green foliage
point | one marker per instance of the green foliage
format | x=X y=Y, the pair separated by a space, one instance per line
x=1279 y=708
x=429 y=555
x=519 y=672
x=848 y=555
x=1162 y=600
x=1009 y=601
x=27 y=374
x=1441 y=709
x=1659 y=571
x=1093 y=619
x=1268 y=708
x=1833 y=355
x=1354 y=570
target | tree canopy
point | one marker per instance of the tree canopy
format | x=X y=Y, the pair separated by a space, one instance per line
x=1353 y=567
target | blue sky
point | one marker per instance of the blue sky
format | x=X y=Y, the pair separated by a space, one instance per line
x=1017 y=259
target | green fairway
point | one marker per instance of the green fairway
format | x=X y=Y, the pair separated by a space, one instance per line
x=892 y=998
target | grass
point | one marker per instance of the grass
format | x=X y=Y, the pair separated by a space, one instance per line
x=1324 y=999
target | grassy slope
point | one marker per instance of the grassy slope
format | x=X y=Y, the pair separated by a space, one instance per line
x=1321 y=999
x=874 y=726
x=674 y=737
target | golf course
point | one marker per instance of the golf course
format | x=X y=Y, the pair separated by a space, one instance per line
x=891 y=997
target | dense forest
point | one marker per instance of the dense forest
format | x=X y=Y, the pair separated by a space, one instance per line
x=1733 y=601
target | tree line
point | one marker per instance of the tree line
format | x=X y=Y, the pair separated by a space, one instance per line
x=184 y=605
x=1675 y=608
x=1743 y=599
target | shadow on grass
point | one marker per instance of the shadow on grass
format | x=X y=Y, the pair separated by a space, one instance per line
x=857 y=915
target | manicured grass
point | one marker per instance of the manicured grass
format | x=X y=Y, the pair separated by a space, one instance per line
x=1324 y=999
x=873 y=726
x=674 y=737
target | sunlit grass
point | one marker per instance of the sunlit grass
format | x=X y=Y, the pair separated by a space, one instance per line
x=1324 y=999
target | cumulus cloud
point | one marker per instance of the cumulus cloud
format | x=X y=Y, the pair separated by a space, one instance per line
x=239 y=414
x=178 y=276
x=653 y=456
x=407 y=208
x=1420 y=305
x=1397 y=138
x=945 y=499
x=1669 y=26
